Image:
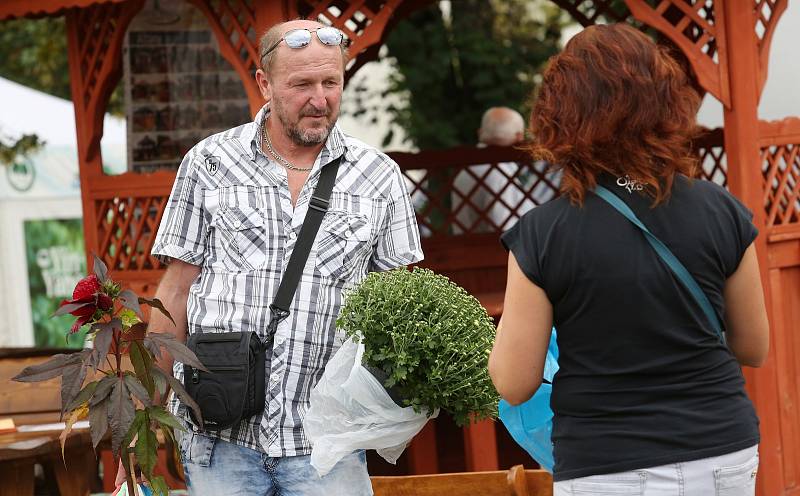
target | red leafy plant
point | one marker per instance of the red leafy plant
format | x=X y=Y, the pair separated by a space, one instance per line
x=128 y=404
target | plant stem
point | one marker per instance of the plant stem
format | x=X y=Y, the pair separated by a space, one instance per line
x=125 y=456
x=118 y=353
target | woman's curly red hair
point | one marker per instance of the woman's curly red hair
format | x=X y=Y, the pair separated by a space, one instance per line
x=613 y=101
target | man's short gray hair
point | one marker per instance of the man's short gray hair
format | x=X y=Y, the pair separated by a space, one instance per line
x=273 y=36
x=500 y=124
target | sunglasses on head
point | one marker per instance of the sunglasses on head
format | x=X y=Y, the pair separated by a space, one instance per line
x=299 y=38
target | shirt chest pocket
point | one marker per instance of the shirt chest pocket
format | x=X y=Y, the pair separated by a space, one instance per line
x=241 y=238
x=343 y=245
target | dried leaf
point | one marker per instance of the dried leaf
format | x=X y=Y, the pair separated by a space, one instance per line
x=178 y=350
x=146 y=449
x=47 y=370
x=156 y=303
x=100 y=269
x=73 y=417
x=130 y=300
x=102 y=341
x=176 y=386
x=165 y=418
x=84 y=396
x=142 y=362
x=135 y=387
x=98 y=421
x=120 y=413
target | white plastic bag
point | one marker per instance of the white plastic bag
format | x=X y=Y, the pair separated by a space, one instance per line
x=351 y=410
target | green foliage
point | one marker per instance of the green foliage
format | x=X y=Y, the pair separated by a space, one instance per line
x=450 y=69
x=11 y=150
x=33 y=52
x=429 y=336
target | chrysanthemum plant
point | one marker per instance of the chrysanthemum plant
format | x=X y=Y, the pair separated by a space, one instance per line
x=429 y=337
x=125 y=405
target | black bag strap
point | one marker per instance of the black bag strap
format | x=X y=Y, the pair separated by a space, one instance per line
x=294 y=270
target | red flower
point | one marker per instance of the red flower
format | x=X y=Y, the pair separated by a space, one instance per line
x=88 y=295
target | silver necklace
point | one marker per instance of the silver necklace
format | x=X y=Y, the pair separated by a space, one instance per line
x=630 y=184
x=275 y=154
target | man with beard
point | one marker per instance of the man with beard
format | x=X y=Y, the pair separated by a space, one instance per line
x=231 y=224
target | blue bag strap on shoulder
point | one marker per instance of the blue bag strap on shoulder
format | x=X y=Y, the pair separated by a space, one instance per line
x=671 y=260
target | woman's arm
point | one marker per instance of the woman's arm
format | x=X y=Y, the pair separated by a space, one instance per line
x=745 y=312
x=517 y=360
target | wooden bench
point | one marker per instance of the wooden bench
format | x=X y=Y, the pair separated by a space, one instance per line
x=513 y=482
x=39 y=403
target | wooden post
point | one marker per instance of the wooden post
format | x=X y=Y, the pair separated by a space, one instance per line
x=746 y=182
x=480 y=446
x=423 y=457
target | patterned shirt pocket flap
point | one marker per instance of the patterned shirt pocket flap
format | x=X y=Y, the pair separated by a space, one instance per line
x=238 y=219
x=348 y=226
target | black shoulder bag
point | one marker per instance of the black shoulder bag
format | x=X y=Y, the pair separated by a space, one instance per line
x=235 y=388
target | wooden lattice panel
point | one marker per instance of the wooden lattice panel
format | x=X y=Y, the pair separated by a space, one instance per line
x=768 y=13
x=234 y=25
x=480 y=198
x=710 y=151
x=697 y=27
x=780 y=166
x=126 y=229
x=589 y=12
x=477 y=191
x=362 y=21
x=95 y=36
x=781 y=169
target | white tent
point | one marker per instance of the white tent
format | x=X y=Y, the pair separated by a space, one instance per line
x=39 y=188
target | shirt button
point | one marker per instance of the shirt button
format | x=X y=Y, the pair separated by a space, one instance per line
x=292 y=235
x=237 y=224
x=348 y=233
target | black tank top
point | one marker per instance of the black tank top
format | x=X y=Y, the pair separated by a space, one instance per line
x=643 y=380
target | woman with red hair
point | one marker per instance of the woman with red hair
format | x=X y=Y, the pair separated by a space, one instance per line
x=648 y=399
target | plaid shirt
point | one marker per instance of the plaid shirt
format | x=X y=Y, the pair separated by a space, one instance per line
x=230 y=212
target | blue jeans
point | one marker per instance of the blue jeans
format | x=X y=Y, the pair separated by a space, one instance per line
x=218 y=468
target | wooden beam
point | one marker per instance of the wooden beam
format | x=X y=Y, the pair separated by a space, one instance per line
x=745 y=181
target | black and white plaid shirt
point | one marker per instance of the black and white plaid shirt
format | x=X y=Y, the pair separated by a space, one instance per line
x=230 y=212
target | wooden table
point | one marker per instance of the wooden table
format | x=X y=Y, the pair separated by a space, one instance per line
x=20 y=451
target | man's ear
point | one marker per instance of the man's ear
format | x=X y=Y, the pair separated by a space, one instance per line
x=264 y=85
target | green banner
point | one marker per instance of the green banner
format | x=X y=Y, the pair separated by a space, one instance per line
x=56 y=262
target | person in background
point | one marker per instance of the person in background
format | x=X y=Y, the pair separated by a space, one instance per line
x=500 y=126
x=229 y=228
x=648 y=399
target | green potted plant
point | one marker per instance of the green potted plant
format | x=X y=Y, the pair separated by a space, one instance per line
x=127 y=405
x=419 y=336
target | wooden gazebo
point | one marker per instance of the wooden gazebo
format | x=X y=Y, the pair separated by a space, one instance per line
x=726 y=44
